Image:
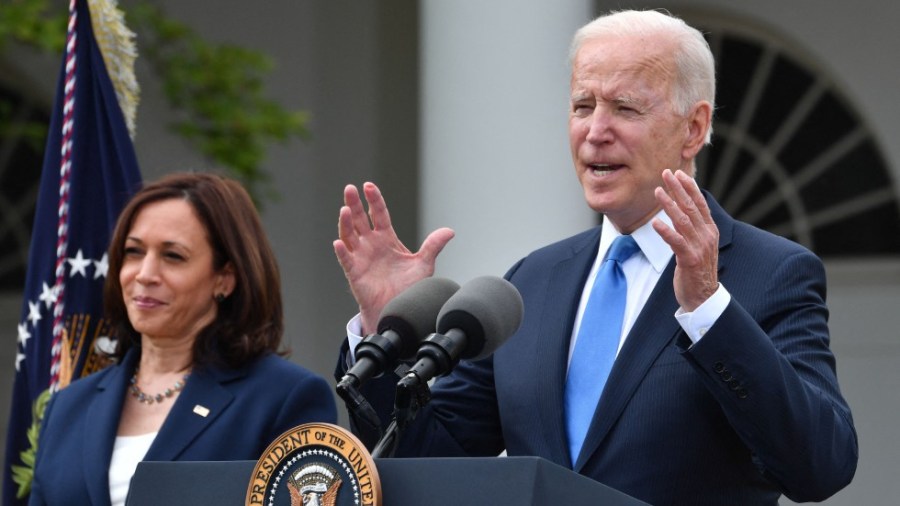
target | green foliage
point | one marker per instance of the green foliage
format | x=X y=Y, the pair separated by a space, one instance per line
x=38 y=23
x=218 y=93
x=23 y=475
x=216 y=90
x=34 y=23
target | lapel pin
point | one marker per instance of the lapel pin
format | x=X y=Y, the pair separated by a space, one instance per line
x=201 y=410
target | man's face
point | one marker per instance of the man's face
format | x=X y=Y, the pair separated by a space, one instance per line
x=623 y=129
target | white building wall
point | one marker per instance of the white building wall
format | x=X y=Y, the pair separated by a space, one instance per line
x=495 y=158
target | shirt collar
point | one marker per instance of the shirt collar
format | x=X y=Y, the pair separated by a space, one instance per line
x=652 y=245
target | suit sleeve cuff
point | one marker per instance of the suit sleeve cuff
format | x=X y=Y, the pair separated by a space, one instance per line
x=698 y=322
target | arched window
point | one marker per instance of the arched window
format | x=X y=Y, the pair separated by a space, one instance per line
x=790 y=153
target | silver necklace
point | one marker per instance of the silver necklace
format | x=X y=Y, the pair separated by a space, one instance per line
x=146 y=398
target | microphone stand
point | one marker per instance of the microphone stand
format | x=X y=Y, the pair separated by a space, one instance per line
x=360 y=410
x=412 y=394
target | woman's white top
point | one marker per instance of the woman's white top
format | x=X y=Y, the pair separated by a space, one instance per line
x=127 y=452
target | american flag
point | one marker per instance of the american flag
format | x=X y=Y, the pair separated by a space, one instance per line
x=88 y=173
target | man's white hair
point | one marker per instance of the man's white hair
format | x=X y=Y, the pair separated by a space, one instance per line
x=695 y=67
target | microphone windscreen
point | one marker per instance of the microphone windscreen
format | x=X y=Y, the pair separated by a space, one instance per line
x=488 y=310
x=413 y=312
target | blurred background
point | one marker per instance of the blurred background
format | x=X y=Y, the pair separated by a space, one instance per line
x=457 y=110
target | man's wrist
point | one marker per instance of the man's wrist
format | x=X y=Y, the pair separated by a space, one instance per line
x=697 y=322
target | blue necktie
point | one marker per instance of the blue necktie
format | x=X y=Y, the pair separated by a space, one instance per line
x=598 y=340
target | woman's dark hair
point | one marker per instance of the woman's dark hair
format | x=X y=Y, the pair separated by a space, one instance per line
x=249 y=322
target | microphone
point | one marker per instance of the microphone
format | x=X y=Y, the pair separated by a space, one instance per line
x=473 y=323
x=403 y=323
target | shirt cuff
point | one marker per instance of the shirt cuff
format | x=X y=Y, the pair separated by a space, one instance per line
x=698 y=322
x=354 y=329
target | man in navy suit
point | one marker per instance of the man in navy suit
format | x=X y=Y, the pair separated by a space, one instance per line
x=723 y=388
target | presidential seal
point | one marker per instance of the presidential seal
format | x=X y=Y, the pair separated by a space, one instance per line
x=315 y=464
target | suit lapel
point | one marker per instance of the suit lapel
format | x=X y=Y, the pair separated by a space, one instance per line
x=556 y=321
x=654 y=329
x=199 y=404
x=104 y=413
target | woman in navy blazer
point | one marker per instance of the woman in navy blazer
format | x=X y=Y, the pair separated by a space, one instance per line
x=194 y=297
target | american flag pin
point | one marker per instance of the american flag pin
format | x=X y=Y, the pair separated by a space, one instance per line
x=201 y=410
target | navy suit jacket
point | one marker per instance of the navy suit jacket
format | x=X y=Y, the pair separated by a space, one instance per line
x=750 y=412
x=248 y=409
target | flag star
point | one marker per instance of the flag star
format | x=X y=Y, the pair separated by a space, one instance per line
x=101 y=267
x=34 y=313
x=79 y=263
x=23 y=334
x=48 y=295
x=19 y=358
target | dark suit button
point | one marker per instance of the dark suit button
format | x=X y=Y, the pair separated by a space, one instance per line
x=718 y=367
x=726 y=376
x=734 y=385
x=741 y=393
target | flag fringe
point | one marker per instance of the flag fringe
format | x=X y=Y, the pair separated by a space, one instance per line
x=116 y=42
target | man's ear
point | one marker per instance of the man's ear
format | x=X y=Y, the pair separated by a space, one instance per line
x=699 y=121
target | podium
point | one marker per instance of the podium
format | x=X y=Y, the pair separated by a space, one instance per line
x=434 y=482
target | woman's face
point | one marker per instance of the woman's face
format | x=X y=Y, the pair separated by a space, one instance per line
x=167 y=277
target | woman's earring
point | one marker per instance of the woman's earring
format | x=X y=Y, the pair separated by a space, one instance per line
x=220 y=297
